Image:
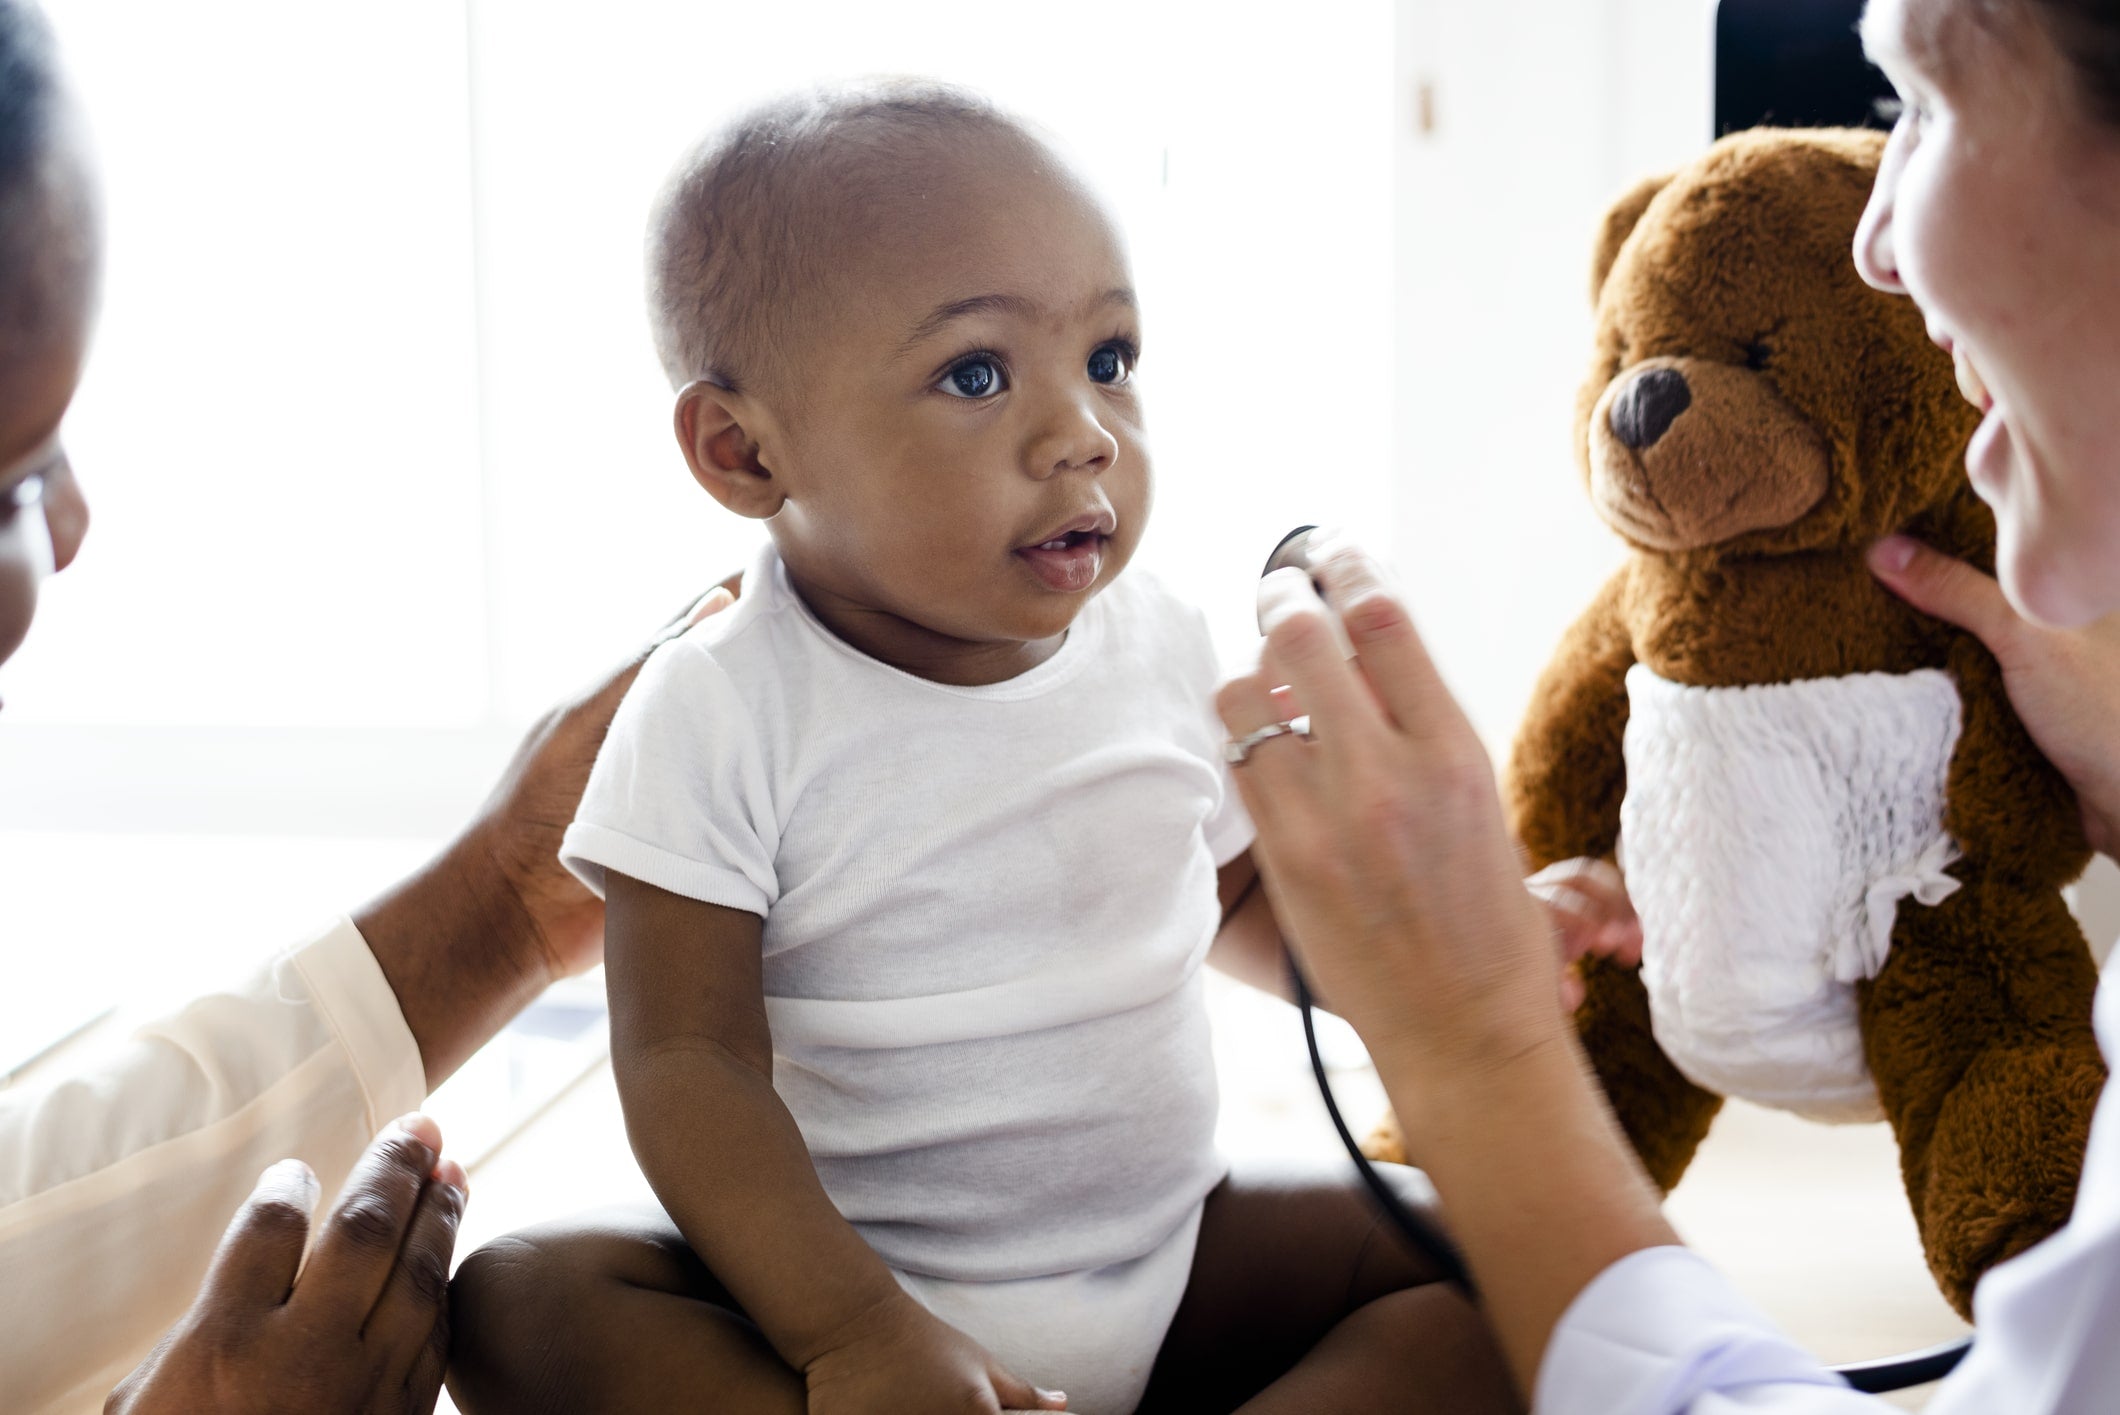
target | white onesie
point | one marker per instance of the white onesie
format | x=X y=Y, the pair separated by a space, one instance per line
x=985 y=912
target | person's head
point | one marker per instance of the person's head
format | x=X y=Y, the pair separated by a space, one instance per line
x=1998 y=210
x=904 y=333
x=48 y=268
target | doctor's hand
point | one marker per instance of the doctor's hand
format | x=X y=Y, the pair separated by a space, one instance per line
x=362 y=1328
x=2064 y=683
x=524 y=819
x=1383 y=840
x=488 y=924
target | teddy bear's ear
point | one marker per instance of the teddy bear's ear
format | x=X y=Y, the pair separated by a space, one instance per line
x=1619 y=224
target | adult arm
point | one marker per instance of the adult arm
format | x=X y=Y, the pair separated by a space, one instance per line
x=116 y=1182
x=469 y=940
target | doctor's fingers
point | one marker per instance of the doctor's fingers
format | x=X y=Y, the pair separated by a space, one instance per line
x=358 y=1245
x=410 y=1317
x=1276 y=778
x=255 y=1266
x=1388 y=649
x=1303 y=653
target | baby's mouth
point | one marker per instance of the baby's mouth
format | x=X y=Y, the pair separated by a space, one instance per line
x=1069 y=563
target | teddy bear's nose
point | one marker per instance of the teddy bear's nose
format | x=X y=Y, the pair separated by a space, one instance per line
x=1646 y=408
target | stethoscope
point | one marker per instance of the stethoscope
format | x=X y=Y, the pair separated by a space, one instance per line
x=1422 y=1234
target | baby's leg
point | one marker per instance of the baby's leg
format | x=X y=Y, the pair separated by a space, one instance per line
x=608 y=1312
x=1303 y=1299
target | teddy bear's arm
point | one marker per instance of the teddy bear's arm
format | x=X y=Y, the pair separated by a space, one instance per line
x=1567 y=771
x=1978 y=1028
x=1566 y=779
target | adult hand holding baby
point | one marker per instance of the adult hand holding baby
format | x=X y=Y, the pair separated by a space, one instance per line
x=499 y=887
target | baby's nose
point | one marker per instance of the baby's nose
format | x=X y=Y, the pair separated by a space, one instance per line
x=1646 y=408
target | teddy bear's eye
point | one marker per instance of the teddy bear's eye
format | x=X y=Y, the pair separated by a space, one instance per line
x=1758 y=354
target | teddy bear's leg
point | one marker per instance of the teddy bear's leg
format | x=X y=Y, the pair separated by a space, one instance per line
x=1978 y=1033
x=1665 y=1115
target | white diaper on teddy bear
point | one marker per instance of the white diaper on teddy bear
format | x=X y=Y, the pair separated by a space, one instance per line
x=1769 y=834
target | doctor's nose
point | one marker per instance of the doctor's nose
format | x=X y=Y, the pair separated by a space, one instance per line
x=1875 y=257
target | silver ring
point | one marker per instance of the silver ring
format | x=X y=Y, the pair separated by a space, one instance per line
x=1238 y=750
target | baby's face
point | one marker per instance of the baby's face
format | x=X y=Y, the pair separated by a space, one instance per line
x=961 y=446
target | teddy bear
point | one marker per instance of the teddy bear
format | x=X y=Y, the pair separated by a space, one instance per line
x=1846 y=852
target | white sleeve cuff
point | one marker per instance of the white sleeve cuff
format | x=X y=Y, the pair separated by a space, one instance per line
x=348 y=989
x=589 y=850
x=1662 y=1333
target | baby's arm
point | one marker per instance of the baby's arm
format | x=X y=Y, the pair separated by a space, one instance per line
x=1248 y=946
x=694 y=1063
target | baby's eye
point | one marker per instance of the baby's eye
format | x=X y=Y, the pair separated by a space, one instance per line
x=1111 y=364
x=974 y=378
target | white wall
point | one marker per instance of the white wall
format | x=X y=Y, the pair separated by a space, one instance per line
x=380 y=457
x=379 y=454
x=1542 y=112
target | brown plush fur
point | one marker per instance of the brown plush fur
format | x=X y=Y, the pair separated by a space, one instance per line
x=1736 y=274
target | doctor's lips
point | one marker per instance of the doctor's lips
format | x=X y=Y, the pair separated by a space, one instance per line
x=1069 y=557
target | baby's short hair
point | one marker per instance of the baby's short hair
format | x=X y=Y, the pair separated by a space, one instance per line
x=46 y=241
x=749 y=225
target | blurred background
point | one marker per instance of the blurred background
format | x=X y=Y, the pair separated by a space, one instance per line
x=380 y=457
x=381 y=464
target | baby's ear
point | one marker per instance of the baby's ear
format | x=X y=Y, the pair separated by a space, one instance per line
x=712 y=428
x=1618 y=225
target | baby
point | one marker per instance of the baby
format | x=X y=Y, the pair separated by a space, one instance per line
x=912 y=859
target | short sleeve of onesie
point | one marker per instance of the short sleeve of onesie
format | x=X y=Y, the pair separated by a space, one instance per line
x=1229 y=831
x=680 y=797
